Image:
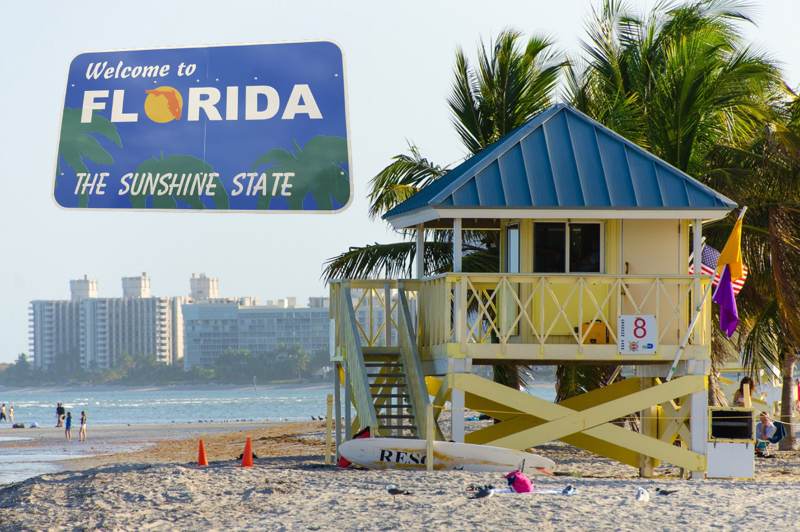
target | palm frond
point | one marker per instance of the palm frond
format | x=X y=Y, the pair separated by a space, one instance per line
x=762 y=346
x=401 y=179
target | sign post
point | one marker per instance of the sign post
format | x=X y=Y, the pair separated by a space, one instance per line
x=257 y=128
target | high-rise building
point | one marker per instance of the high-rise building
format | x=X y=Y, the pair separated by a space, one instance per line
x=138 y=286
x=94 y=333
x=54 y=333
x=81 y=289
x=203 y=288
x=176 y=334
x=318 y=302
x=212 y=329
x=55 y=326
x=284 y=302
x=97 y=332
x=114 y=327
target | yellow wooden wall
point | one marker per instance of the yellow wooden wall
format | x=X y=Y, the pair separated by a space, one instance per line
x=649 y=247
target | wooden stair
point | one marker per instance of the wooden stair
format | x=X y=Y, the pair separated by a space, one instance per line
x=389 y=391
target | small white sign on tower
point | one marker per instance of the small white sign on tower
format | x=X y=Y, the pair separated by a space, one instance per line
x=638 y=334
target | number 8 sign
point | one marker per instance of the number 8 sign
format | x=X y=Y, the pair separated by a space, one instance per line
x=638 y=334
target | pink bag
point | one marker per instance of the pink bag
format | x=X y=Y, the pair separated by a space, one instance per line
x=519 y=482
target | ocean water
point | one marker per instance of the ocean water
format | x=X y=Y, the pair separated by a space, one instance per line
x=116 y=405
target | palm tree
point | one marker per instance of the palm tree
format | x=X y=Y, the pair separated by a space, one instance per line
x=510 y=83
x=320 y=173
x=679 y=81
x=79 y=142
x=765 y=174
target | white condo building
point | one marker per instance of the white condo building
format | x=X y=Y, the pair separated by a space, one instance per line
x=96 y=332
x=54 y=332
x=212 y=328
x=203 y=288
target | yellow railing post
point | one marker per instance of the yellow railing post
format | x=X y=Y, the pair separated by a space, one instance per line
x=460 y=305
x=329 y=430
x=429 y=435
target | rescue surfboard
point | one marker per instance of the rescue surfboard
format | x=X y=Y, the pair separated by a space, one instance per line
x=401 y=453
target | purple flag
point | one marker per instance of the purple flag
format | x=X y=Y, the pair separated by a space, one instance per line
x=723 y=296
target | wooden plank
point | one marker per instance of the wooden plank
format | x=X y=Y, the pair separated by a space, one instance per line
x=614 y=409
x=517 y=422
x=488 y=436
x=569 y=352
x=608 y=432
x=677 y=418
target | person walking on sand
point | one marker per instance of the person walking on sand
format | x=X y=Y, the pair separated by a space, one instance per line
x=82 y=432
x=3 y=412
x=59 y=415
x=68 y=427
x=11 y=413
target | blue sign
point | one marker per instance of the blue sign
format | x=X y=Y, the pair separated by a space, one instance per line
x=241 y=128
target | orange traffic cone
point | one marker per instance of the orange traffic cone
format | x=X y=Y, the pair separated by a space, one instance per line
x=201 y=454
x=247 y=455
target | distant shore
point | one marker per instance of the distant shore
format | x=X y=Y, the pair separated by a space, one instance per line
x=4 y=388
x=167 y=386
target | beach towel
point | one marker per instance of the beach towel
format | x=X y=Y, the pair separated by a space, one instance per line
x=780 y=433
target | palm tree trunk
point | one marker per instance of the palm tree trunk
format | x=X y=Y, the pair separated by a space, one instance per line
x=787 y=304
x=787 y=398
x=715 y=395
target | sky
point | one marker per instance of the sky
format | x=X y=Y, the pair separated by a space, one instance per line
x=398 y=62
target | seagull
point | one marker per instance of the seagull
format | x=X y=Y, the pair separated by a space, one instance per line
x=394 y=491
x=569 y=490
x=483 y=491
x=665 y=492
x=642 y=495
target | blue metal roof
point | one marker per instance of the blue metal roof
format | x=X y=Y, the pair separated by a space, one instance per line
x=562 y=159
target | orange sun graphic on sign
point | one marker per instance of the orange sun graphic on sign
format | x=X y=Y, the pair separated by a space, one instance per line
x=163 y=104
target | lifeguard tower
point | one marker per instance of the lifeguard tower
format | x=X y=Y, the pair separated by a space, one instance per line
x=596 y=235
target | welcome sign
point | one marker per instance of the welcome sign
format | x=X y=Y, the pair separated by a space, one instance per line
x=245 y=128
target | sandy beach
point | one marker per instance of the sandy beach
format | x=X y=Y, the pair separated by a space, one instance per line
x=157 y=487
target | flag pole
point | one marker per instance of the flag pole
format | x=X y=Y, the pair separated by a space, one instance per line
x=741 y=213
x=685 y=340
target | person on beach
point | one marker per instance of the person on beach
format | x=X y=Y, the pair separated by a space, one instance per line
x=3 y=412
x=68 y=427
x=82 y=432
x=59 y=415
x=765 y=430
x=738 y=396
x=11 y=413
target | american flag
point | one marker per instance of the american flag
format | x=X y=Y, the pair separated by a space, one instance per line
x=708 y=266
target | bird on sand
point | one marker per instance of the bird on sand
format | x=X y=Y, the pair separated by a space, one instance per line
x=479 y=492
x=661 y=491
x=483 y=491
x=642 y=495
x=394 y=491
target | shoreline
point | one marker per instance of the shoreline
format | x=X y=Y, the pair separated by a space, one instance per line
x=45 y=450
